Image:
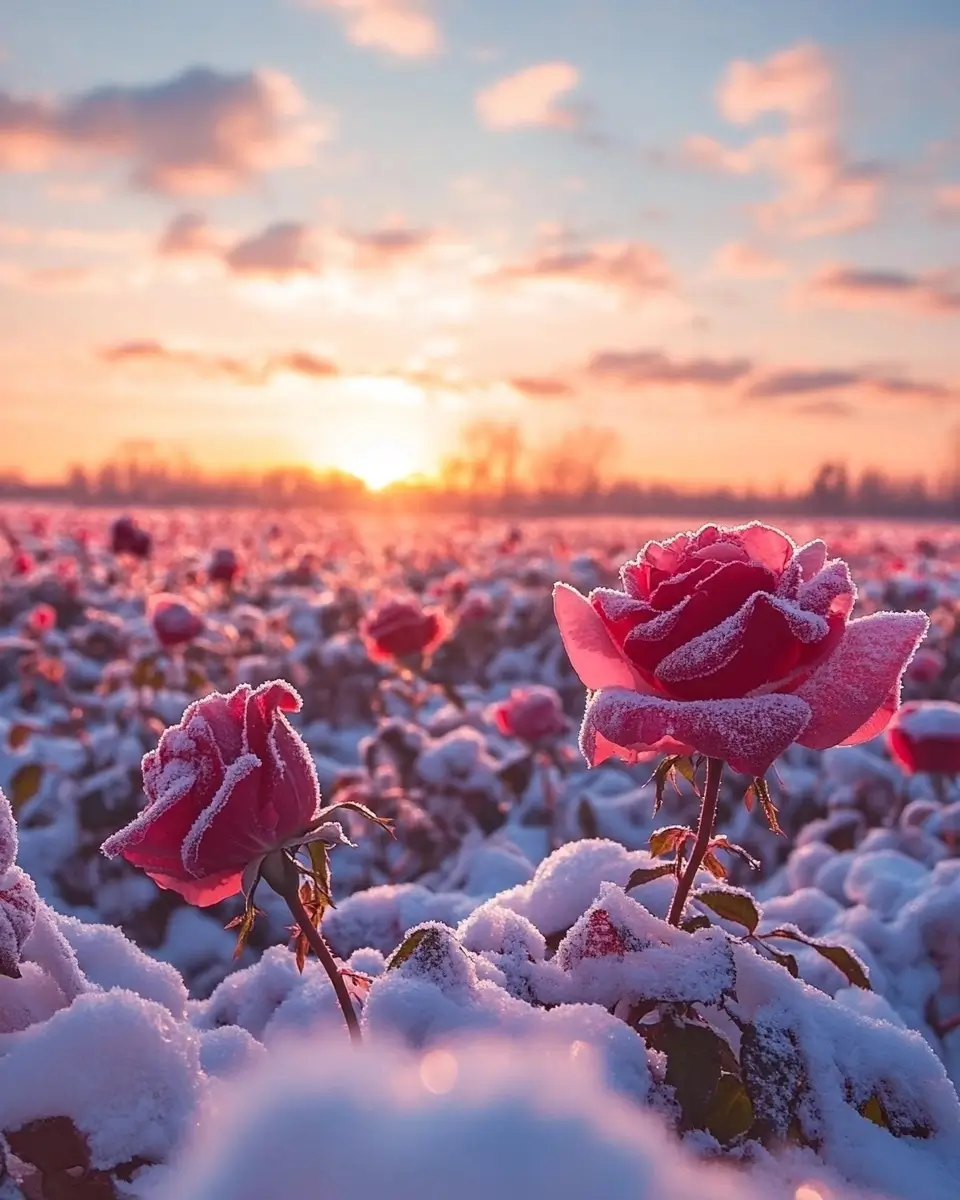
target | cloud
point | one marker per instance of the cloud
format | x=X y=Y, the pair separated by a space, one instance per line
x=383 y=249
x=247 y=371
x=837 y=409
x=822 y=191
x=743 y=261
x=401 y=27
x=935 y=292
x=529 y=98
x=806 y=381
x=652 y=368
x=541 y=387
x=280 y=251
x=947 y=201
x=633 y=269
x=201 y=132
x=189 y=235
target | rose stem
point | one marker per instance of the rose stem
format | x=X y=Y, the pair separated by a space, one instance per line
x=322 y=951
x=549 y=796
x=708 y=815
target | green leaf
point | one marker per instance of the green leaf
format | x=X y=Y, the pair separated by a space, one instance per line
x=660 y=776
x=320 y=862
x=354 y=806
x=722 y=842
x=843 y=959
x=774 y=1075
x=24 y=784
x=696 y=1058
x=406 y=948
x=714 y=865
x=667 y=839
x=731 y=906
x=872 y=1109
x=731 y=1113
x=692 y=924
x=646 y=874
x=785 y=960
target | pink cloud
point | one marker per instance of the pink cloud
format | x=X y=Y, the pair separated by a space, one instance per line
x=743 y=261
x=200 y=132
x=529 y=98
x=632 y=269
x=189 y=235
x=542 y=387
x=401 y=27
x=933 y=292
x=653 y=368
x=280 y=251
x=822 y=191
x=248 y=371
x=947 y=200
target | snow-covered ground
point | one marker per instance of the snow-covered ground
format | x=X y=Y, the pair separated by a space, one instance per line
x=502 y=1044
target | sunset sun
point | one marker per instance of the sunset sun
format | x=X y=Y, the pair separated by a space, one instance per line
x=375 y=438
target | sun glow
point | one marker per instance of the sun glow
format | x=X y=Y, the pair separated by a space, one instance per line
x=379 y=433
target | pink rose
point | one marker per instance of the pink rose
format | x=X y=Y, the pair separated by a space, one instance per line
x=175 y=621
x=924 y=737
x=733 y=643
x=925 y=667
x=402 y=629
x=224 y=565
x=126 y=537
x=225 y=788
x=41 y=619
x=530 y=714
x=18 y=896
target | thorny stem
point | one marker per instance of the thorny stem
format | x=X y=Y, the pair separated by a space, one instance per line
x=708 y=815
x=327 y=961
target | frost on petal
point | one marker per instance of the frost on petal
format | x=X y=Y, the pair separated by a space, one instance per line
x=18 y=913
x=8 y=835
x=592 y=654
x=811 y=558
x=229 y=832
x=856 y=691
x=766 y=545
x=262 y=705
x=830 y=591
x=746 y=733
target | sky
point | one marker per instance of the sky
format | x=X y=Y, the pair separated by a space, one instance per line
x=726 y=237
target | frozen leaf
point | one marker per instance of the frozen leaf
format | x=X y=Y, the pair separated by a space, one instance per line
x=731 y=906
x=692 y=924
x=761 y=790
x=407 y=947
x=25 y=784
x=667 y=839
x=774 y=1077
x=645 y=874
x=697 y=1057
x=714 y=865
x=722 y=842
x=731 y=1113
x=18 y=735
x=842 y=958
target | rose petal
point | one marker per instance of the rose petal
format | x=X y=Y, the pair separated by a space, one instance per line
x=748 y=734
x=766 y=545
x=855 y=692
x=831 y=590
x=589 y=647
x=201 y=892
x=276 y=695
x=291 y=788
x=235 y=828
x=8 y=835
x=811 y=558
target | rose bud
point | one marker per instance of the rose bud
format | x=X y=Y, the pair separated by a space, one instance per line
x=126 y=537
x=228 y=786
x=224 y=565
x=402 y=629
x=18 y=896
x=925 y=667
x=924 y=737
x=732 y=643
x=41 y=619
x=532 y=714
x=175 y=621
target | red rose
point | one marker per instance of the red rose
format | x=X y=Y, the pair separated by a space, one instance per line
x=41 y=619
x=175 y=622
x=22 y=563
x=126 y=537
x=924 y=737
x=402 y=629
x=18 y=896
x=226 y=787
x=732 y=643
x=926 y=667
x=530 y=714
x=224 y=565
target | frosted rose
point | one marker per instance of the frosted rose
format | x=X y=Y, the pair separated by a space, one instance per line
x=403 y=629
x=226 y=787
x=224 y=565
x=175 y=622
x=22 y=563
x=18 y=896
x=126 y=537
x=733 y=643
x=41 y=619
x=926 y=667
x=530 y=714
x=924 y=736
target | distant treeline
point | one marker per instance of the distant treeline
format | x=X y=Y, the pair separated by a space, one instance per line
x=498 y=476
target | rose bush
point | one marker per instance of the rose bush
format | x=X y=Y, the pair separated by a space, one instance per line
x=924 y=736
x=402 y=629
x=733 y=643
x=225 y=788
x=531 y=714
